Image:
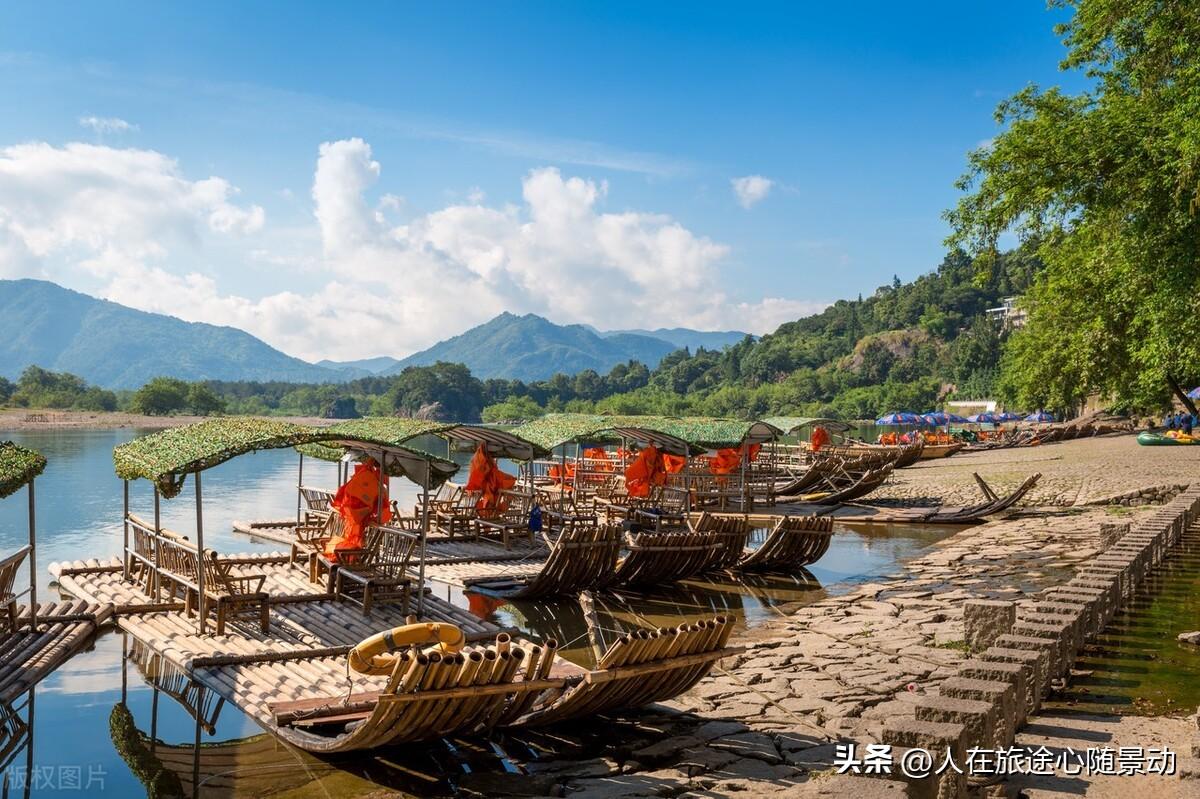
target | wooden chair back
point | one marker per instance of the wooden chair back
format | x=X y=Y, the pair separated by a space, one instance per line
x=8 y=572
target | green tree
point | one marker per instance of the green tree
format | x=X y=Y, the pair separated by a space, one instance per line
x=512 y=410
x=1106 y=183
x=161 y=396
x=202 y=401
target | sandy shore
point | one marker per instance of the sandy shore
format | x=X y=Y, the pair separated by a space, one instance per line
x=27 y=419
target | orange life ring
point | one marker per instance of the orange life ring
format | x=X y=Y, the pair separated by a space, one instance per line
x=376 y=655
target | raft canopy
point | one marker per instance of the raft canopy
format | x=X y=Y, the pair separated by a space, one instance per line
x=165 y=458
x=18 y=467
x=679 y=435
x=398 y=432
x=790 y=424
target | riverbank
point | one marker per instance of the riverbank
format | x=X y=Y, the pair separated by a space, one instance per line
x=767 y=722
x=1086 y=471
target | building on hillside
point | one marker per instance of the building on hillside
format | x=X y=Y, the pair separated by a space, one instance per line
x=1010 y=313
x=971 y=407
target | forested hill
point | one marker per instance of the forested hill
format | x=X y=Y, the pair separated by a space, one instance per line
x=904 y=346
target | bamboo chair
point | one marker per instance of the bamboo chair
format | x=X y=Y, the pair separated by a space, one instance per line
x=511 y=522
x=229 y=594
x=457 y=519
x=9 y=567
x=641 y=668
x=582 y=558
x=428 y=696
x=377 y=574
x=665 y=557
x=444 y=499
x=316 y=504
x=732 y=534
x=794 y=542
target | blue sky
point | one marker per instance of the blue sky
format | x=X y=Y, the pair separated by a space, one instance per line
x=568 y=159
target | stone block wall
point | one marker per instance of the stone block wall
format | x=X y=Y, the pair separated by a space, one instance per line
x=1019 y=653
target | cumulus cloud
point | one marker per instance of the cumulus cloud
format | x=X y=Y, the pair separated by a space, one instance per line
x=107 y=124
x=751 y=190
x=129 y=221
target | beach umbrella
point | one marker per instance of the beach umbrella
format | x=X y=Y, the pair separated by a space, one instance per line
x=1040 y=416
x=984 y=418
x=1009 y=416
x=939 y=418
x=1194 y=393
x=898 y=418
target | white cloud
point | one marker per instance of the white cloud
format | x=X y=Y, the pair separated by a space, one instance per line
x=104 y=125
x=751 y=189
x=127 y=224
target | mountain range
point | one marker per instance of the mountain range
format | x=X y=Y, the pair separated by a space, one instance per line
x=113 y=346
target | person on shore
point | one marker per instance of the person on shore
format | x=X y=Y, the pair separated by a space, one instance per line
x=1187 y=424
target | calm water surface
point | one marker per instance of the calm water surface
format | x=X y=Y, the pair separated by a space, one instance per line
x=78 y=738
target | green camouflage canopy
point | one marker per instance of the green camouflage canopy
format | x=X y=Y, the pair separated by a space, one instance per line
x=697 y=433
x=18 y=466
x=790 y=424
x=168 y=456
x=399 y=431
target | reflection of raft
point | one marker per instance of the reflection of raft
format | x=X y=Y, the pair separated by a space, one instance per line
x=1149 y=439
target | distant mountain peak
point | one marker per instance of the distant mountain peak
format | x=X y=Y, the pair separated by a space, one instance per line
x=113 y=346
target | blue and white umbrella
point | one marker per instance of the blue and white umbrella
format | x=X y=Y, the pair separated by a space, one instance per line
x=1194 y=393
x=939 y=418
x=984 y=418
x=898 y=419
x=1009 y=416
x=1040 y=416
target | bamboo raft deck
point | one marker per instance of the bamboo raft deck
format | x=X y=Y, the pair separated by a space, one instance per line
x=63 y=629
x=440 y=549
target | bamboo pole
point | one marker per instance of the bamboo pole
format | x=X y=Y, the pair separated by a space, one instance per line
x=33 y=606
x=125 y=525
x=201 y=600
x=424 y=535
x=300 y=490
x=157 y=535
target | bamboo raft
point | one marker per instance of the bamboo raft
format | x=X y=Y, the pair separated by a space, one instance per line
x=794 y=542
x=440 y=549
x=287 y=679
x=63 y=628
x=583 y=558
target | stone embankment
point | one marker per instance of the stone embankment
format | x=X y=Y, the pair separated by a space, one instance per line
x=956 y=649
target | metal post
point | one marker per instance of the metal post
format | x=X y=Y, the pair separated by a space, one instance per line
x=299 y=491
x=33 y=605
x=424 y=536
x=157 y=539
x=562 y=481
x=125 y=524
x=200 y=556
x=379 y=500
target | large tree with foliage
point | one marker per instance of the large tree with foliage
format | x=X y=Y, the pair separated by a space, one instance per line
x=1106 y=182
